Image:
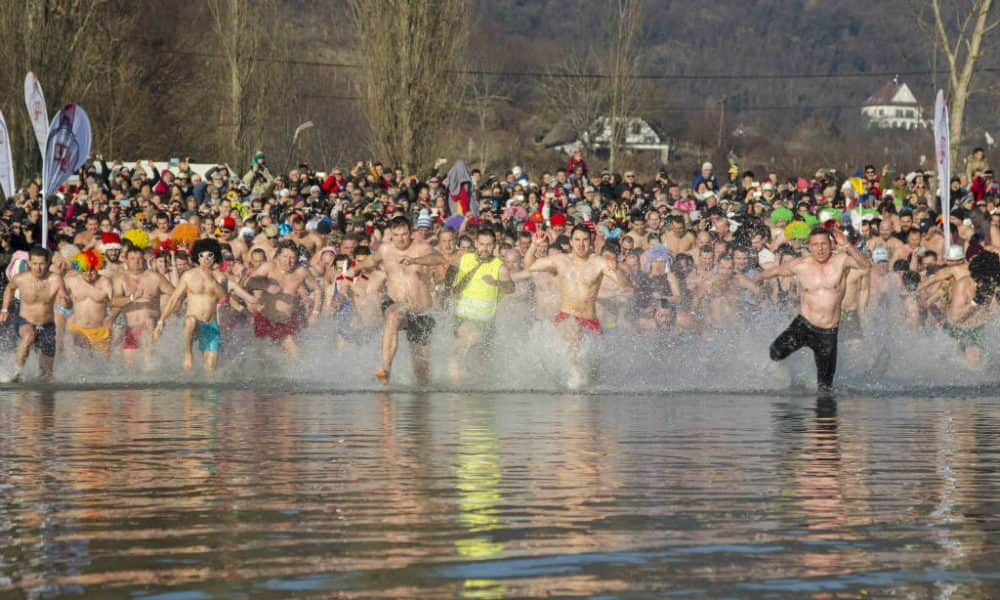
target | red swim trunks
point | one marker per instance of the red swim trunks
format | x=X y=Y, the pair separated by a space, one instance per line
x=133 y=337
x=588 y=324
x=265 y=328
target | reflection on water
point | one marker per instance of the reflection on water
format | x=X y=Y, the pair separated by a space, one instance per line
x=223 y=493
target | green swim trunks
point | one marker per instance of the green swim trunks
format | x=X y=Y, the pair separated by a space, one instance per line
x=208 y=335
x=967 y=337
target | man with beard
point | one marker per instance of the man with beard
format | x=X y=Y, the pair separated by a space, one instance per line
x=111 y=247
x=479 y=282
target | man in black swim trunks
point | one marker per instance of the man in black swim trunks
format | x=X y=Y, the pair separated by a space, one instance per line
x=39 y=289
x=405 y=261
x=822 y=277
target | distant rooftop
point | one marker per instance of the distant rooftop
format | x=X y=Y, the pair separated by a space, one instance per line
x=892 y=93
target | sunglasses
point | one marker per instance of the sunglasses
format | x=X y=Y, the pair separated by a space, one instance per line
x=206 y=254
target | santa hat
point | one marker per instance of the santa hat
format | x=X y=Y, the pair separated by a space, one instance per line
x=110 y=241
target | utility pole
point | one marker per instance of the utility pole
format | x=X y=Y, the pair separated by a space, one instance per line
x=722 y=122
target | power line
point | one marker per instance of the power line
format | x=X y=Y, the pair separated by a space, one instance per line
x=710 y=107
x=600 y=76
x=705 y=77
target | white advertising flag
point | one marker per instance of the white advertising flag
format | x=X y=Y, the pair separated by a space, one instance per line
x=6 y=162
x=942 y=147
x=66 y=149
x=34 y=99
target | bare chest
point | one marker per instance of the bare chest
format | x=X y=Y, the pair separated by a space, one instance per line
x=82 y=290
x=34 y=291
x=822 y=277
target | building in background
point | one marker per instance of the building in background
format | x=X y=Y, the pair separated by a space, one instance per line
x=893 y=105
x=639 y=137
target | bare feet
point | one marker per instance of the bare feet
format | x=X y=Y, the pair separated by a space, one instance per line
x=382 y=375
x=188 y=363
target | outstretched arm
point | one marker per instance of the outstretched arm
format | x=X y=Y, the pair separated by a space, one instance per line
x=505 y=283
x=240 y=292
x=432 y=259
x=781 y=270
x=544 y=265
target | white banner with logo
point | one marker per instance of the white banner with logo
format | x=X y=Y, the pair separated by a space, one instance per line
x=942 y=147
x=6 y=161
x=34 y=99
x=66 y=150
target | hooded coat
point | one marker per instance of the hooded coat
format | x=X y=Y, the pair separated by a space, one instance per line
x=463 y=198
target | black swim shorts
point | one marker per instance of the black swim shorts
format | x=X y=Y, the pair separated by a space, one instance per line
x=45 y=336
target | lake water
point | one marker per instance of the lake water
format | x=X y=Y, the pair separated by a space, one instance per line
x=218 y=492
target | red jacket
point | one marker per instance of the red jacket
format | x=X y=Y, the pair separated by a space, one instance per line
x=331 y=185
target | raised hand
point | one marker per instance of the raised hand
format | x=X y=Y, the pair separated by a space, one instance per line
x=839 y=237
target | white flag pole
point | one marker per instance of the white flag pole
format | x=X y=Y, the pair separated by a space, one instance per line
x=942 y=146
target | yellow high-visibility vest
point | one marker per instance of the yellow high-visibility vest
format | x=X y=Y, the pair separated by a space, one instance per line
x=478 y=301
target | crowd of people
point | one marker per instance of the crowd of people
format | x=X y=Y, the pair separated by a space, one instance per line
x=373 y=252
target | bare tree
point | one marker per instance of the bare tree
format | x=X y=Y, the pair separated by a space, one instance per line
x=961 y=29
x=570 y=99
x=411 y=51
x=242 y=29
x=483 y=104
x=623 y=67
x=59 y=41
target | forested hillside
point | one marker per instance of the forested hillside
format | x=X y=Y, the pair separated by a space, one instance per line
x=760 y=81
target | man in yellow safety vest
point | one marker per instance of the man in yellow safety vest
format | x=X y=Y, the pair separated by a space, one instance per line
x=479 y=283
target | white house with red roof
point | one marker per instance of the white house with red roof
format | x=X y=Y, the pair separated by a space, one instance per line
x=894 y=105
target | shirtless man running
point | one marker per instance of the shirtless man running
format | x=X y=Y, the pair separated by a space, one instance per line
x=822 y=279
x=203 y=287
x=409 y=299
x=971 y=300
x=35 y=318
x=580 y=274
x=282 y=280
x=91 y=293
x=138 y=292
x=545 y=285
x=367 y=294
x=444 y=274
